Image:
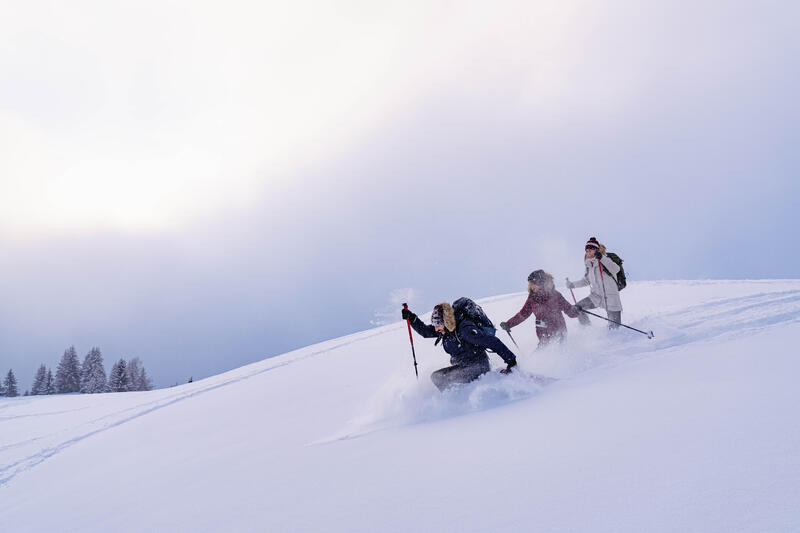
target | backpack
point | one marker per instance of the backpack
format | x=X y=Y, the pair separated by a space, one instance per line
x=466 y=309
x=621 y=281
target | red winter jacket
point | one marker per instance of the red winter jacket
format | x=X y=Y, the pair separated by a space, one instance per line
x=547 y=308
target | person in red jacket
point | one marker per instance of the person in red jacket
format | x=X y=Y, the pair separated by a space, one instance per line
x=546 y=304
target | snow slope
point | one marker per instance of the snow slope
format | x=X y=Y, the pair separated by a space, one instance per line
x=695 y=430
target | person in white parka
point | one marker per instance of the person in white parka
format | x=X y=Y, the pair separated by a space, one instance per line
x=603 y=283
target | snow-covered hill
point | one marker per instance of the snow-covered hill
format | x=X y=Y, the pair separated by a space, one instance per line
x=695 y=430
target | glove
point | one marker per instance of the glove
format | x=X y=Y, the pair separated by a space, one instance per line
x=507 y=369
x=577 y=308
x=408 y=315
x=598 y=255
x=570 y=285
x=505 y=326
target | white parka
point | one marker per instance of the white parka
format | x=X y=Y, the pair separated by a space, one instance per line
x=593 y=279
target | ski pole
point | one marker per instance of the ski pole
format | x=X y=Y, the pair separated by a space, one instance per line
x=411 y=338
x=572 y=293
x=648 y=333
x=512 y=339
x=603 y=283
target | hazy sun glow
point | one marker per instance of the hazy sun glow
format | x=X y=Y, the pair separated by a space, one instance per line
x=141 y=117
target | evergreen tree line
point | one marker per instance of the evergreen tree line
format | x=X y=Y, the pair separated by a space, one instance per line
x=87 y=378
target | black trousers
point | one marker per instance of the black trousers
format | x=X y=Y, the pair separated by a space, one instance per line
x=452 y=375
x=587 y=303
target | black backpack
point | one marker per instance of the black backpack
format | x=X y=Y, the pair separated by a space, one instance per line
x=621 y=281
x=464 y=308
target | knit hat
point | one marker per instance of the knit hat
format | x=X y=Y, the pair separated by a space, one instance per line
x=593 y=243
x=437 y=317
x=538 y=277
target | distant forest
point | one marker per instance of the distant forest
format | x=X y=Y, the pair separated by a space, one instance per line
x=88 y=377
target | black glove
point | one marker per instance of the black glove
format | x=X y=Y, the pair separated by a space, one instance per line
x=577 y=308
x=408 y=315
x=507 y=369
x=505 y=326
x=598 y=255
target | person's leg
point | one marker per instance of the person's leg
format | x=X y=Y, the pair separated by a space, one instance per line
x=583 y=318
x=548 y=339
x=614 y=315
x=543 y=342
x=452 y=375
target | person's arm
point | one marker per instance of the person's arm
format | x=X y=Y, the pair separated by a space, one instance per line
x=565 y=306
x=475 y=335
x=523 y=314
x=582 y=283
x=423 y=329
x=610 y=265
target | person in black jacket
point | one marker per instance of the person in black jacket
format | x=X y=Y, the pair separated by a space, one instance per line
x=466 y=343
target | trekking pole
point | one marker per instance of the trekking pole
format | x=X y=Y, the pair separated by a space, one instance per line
x=512 y=339
x=603 y=283
x=573 y=294
x=413 y=353
x=648 y=333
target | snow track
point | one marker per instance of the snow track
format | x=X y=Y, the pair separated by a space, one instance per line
x=53 y=443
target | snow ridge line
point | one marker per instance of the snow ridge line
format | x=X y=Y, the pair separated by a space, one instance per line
x=10 y=471
x=738 y=320
x=791 y=295
x=34 y=415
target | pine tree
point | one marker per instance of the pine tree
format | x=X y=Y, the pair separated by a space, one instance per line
x=39 y=381
x=68 y=374
x=2 y=388
x=10 y=385
x=49 y=384
x=93 y=374
x=133 y=369
x=118 y=377
x=144 y=380
x=137 y=376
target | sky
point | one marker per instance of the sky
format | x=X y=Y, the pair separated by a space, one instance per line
x=205 y=184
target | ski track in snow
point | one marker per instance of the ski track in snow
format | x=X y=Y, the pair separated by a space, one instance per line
x=677 y=327
x=110 y=421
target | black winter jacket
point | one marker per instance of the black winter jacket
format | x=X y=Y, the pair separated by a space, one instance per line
x=467 y=345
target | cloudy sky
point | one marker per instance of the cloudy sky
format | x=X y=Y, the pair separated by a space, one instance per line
x=205 y=184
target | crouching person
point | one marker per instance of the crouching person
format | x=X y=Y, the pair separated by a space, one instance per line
x=464 y=340
x=547 y=305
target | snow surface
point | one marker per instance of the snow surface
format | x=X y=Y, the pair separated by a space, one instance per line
x=695 y=430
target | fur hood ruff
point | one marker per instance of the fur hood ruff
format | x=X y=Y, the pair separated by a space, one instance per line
x=449 y=316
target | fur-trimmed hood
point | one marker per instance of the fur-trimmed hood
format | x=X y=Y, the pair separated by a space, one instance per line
x=543 y=279
x=447 y=313
x=549 y=284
